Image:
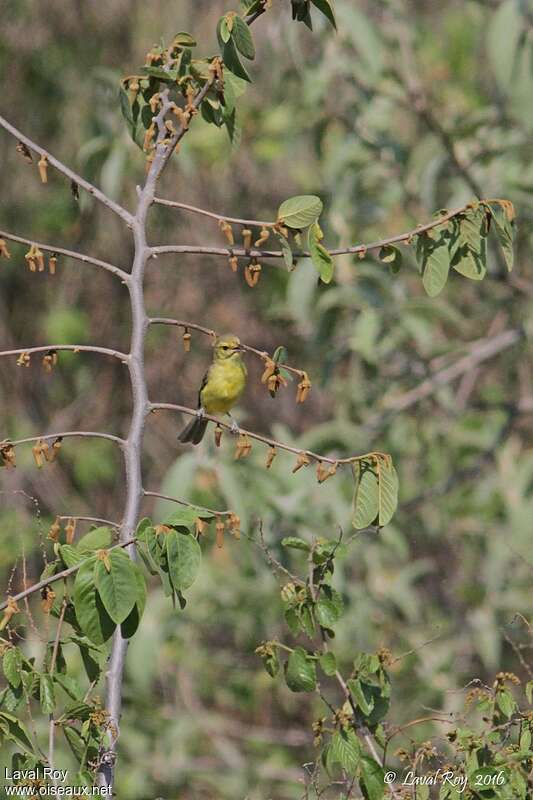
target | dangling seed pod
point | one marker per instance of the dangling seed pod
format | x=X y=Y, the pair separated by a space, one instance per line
x=47 y=599
x=219 y=532
x=322 y=473
x=52 y=264
x=271 y=455
x=186 y=338
x=7 y=451
x=11 y=610
x=133 y=88
x=201 y=526
x=55 y=530
x=252 y=273
x=37 y=454
x=218 y=435
x=24 y=360
x=43 y=169
x=45 y=450
x=3 y=249
x=301 y=461
x=246 y=238
x=304 y=388
x=265 y=233
x=333 y=469
x=70 y=529
x=56 y=447
x=227 y=230
x=270 y=369
x=24 y=152
x=234 y=525
x=233 y=263
x=103 y=556
x=244 y=446
x=50 y=360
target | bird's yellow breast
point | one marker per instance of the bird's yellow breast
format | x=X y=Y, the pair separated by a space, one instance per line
x=225 y=384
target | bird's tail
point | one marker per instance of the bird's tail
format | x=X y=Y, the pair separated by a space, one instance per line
x=194 y=431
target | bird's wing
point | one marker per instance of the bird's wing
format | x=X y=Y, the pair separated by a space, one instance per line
x=202 y=386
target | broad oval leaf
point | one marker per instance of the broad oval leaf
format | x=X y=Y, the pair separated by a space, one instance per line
x=366 y=497
x=12 y=666
x=91 y=615
x=387 y=492
x=132 y=621
x=326 y=7
x=320 y=257
x=372 y=779
x=184 y=556
x=328 y=663
x=345 y=750
x=46 y=694
x=98 y=538
x=300 y=211
x=295 y=543
x=118 y=587
x=300 y=672
x=242 y=37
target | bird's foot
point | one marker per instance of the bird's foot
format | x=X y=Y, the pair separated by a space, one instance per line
x=200 y=412
x=234 y=425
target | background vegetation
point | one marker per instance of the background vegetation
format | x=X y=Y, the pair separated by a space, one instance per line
x=409 y=108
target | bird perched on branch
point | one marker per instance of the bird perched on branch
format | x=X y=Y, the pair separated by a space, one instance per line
x=221 y=388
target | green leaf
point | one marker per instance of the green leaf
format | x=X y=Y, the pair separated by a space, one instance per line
x=92 y=617
x=529 y=691
x=224 y=28
x=286 y=250
x=319 y=255
x=295 y=543
x=118 y=587
x=271 y=663
x=366 y=497
x=372 y=779
x=503 y=217
x=387 y=492
x=469 y=264
x=242 y=37
x=16 y=731
x=132 y=621
x=46 y=694
x=326 y=7
x=76 y=742
x=97 y=539
x=362 y=695
x=70 y=555
x=184 y=39
x=184 y=556
x=328 y=664
x=392 y=256
x=300 y=671
x=326 y=613
x=505 y=702
x=12 y=666
x=301 y=211
x=434 y=259
x=345 y=750
x=232 y=61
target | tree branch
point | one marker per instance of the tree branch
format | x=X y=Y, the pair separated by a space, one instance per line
x=355 y=249
x=89 y=519
x=69 y=253
x=266 y=439
x=213 y=334
x=73 y=176
x=53 y=578
x=64 y=435
x=186 y=503
x=237 y=220
x=76 y=348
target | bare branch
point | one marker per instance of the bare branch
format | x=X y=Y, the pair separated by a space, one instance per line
x=65 y=435
x=75 y=348
x=53 y=578
x=61 y=251
x=73 y=176
x=213 y=334
x=186 y=503
x=220 y=217
x=267 y=440
x=90 y=519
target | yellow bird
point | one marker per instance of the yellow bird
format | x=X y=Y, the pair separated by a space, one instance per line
x=221 y=388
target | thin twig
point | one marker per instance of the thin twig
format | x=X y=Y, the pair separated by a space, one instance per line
x=51 y=722
x=186 y=503
x=90 y=519
x=53 y=578
x=266 y=439
x=220 y=217
x=64 y=435
x=62 y=251
x=76 y=348
x=54 y=162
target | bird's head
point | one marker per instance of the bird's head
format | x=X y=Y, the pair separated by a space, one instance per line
x=227 y=346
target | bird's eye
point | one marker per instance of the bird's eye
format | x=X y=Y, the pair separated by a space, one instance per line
x=225 y=347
